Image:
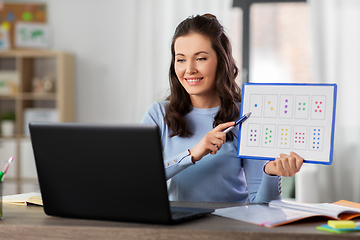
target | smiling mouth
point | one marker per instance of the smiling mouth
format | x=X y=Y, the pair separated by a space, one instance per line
x=193 y=80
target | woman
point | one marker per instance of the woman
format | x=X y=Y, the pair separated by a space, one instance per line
x=201 y=161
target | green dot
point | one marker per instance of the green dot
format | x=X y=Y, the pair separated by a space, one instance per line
x=270 y=131
x=270 y=141
x=270 y=137
x=299 y=103
x=299 y=108
x=265 y=142
x=266 y=129
x=304 y=104
x=27 y=16
x=304 y=109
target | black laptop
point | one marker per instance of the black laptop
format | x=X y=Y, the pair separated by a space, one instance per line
x=104 y=172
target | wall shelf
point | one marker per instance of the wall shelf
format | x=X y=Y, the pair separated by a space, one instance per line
x=29 y=65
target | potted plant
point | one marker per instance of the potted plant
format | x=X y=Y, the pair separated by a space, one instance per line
x=7 y=119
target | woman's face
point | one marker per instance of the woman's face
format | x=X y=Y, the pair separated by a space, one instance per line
x=195 y=65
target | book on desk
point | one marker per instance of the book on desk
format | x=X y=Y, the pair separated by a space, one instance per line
x=280 y=212
x=32 y=198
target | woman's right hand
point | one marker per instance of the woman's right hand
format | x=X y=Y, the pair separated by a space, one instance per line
x=211 y=142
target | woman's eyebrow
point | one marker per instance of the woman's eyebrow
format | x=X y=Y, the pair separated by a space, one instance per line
x=195 y=54
x=201 y=52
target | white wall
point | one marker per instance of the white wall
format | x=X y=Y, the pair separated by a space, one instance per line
x=99 y=34
x=109 y=37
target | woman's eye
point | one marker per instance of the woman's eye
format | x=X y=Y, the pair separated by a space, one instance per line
x=180 y=60
x=201 y=59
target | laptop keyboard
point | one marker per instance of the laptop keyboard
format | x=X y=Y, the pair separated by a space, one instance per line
x=178 y=214
x=184 y=213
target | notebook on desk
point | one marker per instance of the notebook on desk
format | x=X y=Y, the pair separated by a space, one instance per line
x=104 y=172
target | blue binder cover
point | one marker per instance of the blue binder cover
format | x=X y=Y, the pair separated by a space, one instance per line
x=287 y=117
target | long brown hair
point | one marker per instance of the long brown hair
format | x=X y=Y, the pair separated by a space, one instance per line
x=179 y=100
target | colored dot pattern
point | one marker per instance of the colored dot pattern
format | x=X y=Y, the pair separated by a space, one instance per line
x=318 y=109
x=286 y=106
x=299 y=137
x=268 y=136
x=301 y=106
x=316 y=139
x=253 y=134
x=284 y=136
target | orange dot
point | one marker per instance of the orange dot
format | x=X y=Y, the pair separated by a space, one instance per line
x=40 y=16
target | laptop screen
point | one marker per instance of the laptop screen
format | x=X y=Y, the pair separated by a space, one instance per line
x=94 y=171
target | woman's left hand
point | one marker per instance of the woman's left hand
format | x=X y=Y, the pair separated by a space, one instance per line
x=285 y=165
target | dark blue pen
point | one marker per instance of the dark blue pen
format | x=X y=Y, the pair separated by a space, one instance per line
x=239 y=121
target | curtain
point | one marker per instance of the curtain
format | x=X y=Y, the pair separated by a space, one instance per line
x=335 y=26
x=153 y=24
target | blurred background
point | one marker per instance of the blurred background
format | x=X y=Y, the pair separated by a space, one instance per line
x=121 y=55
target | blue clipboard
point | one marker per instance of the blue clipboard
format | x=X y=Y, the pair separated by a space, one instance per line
x=298 y=117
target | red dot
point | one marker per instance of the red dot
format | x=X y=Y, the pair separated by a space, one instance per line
x=315 y=110
x=319 y=110
x=303 y=142
x=320 y=102
x=315 y=102
x=318 y=106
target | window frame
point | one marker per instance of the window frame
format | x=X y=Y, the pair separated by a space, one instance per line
x=245 y=5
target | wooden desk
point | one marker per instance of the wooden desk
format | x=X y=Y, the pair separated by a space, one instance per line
x=30 y=222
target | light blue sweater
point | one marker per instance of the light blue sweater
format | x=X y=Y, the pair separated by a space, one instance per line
x=215 y=178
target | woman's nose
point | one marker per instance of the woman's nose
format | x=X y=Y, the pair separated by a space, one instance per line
x=191 y=68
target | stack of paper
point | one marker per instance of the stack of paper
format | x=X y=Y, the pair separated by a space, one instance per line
x=282 y=212
x=24 y=199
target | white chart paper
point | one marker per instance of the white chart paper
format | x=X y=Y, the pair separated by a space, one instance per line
x=288 y=117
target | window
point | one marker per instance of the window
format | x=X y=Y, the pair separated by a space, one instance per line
x=275 y=40
x=235 y=35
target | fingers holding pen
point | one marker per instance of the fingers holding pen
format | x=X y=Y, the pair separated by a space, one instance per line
x=217 y=137
x=216 y=141
x=211 y=142
x=223 y=126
